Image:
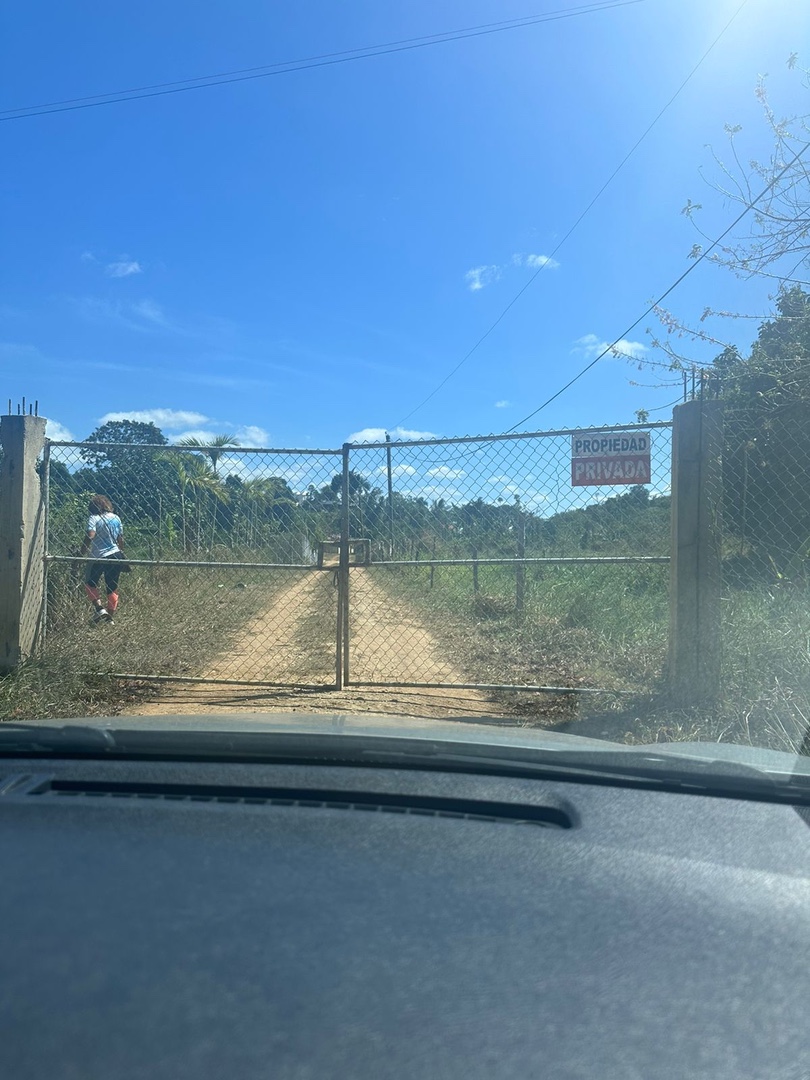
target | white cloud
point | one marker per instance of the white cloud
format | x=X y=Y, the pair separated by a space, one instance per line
x=163 y=418
x=14 y=352
x=445 y=473
x=143 y=316
x=502 y=404
x=481 y=276
x=590 y=345
x=149 y=310
x=197 y=433
x=124 y=268
x=377 y=434
x=246 y=435
x=398 y=470
x=186 y=424
x=499 y=479
x=58 y=432
x=440 y=491
x=536 y=262
x=88 y=256
x=533 y=500
x=251 y=435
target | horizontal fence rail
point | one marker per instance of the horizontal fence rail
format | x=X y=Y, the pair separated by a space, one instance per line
x=500 y=574
x=597 y=560
x=190 y=563
x=499 y=566
x=222 y=543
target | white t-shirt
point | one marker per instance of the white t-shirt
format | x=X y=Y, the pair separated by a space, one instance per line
x=107 y=529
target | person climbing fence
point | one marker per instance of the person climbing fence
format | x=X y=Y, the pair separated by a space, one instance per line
x=104 y=540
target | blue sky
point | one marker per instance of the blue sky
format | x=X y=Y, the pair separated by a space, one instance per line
x=301 y=259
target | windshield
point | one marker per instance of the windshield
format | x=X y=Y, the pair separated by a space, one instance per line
x=426 y=365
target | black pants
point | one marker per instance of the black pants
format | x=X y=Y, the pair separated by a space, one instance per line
x=110 y=567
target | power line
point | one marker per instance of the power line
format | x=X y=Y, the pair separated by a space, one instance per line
x=576 y=224
x=704 y=254
x=305 y=64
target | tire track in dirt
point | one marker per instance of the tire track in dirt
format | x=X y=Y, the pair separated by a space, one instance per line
x=388 y=641
x=273 y=646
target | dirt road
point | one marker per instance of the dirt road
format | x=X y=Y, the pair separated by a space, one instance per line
x=292 y=642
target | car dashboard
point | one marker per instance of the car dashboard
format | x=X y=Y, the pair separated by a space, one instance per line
x=166 y=919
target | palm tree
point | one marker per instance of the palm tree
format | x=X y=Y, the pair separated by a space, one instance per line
x=196 y=476
x=213 y=447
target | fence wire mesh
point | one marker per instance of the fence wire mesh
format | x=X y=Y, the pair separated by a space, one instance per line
x=472 y=561
x=766 y=566
x=223 y=544
x=489 y=567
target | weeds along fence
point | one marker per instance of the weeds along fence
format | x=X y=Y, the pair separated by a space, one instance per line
x=486 y=546
x=522 y=578
x=764 y=524
x=216 y=539
x=532 y=580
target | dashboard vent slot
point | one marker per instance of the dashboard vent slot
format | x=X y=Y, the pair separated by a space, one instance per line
x=544 y=816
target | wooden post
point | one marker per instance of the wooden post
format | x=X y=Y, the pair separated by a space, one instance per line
x=695 y=571
x=22 y=539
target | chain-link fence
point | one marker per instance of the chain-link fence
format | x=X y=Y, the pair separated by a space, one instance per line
x=478 y=562
x=492 y=566
x=223 y=549
x=468 y=562
x=766 y=566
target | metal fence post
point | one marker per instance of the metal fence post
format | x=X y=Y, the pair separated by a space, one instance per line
x=695 y=569
x=389 y=471
x=21 y=539
x=343 y=629
x=520 y=567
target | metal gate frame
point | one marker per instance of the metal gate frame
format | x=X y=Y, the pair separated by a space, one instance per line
x=50 y=559
x=343 y=676
x=345 y=570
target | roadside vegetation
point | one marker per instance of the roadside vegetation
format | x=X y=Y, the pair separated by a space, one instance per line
x=171 y=622
x=596 y=626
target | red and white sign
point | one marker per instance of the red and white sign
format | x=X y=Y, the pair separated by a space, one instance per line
x=613 y=457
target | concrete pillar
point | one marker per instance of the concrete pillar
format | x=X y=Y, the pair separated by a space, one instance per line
x=22 y=539
x=695 y=569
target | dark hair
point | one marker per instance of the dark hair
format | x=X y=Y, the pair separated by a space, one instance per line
x=100 y=504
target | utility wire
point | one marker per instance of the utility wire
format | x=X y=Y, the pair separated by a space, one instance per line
x=576 y=224
x=307 y=63
x=703 y=255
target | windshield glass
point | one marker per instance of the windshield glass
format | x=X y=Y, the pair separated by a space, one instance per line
x=424 y=365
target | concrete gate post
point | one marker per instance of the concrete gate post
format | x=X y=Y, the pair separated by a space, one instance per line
x=22 y=539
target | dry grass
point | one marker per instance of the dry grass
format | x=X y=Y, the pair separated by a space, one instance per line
x=603 y=627
x=171 y=622
x=607 y=627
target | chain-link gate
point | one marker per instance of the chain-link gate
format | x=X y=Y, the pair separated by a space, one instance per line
x=470 y=562
x=492 y=569
x=223 y=546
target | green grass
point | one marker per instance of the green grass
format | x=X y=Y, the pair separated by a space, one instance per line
x=603 y=627
x=581 y=627
x=607 y=627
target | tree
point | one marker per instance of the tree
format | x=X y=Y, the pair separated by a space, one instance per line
x=140 y=482
x=772 y=241
x=199 y=489
x=121 y=432
x=213 y=447
x=767 y=415
x=766 y=482
x=778 y=192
